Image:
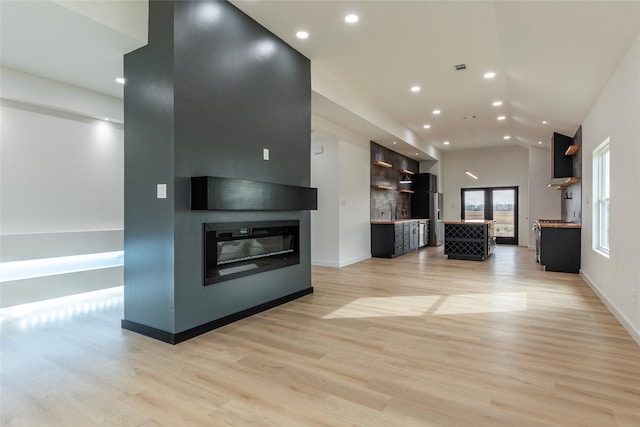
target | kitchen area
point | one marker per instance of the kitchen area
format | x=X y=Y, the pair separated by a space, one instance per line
x=406 y=211
x=405 y=205
x=558 y=240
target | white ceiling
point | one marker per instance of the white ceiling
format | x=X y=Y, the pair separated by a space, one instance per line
x=54 y=40
x=552 y=59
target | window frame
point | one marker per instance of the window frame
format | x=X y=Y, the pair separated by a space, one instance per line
x=488 y=209
x=601 y=241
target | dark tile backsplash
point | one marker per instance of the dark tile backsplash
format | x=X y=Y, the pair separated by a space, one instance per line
x=390 y=204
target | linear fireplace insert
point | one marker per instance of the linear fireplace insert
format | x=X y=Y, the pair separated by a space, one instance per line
x=236 y=249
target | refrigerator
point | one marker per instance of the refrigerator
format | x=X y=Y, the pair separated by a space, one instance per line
x=426 y=202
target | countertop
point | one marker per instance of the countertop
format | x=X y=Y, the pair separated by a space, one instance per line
x=559 y=225
x=398 y=221
x=472 y=222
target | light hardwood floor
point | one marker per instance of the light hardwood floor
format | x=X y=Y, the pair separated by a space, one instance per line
x=415 y=341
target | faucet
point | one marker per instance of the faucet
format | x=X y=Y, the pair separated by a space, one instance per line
x=402 y=212
x=390 y=211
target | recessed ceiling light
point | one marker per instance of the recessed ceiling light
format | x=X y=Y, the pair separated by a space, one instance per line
x=446 y=143
x=506 y=137
x=416 y=154
x=497 y=103
x=539 y=142
x=106 y=119
x=427 y=126
x=436 y=112
x=415 y=88
x=120 y=80
x=351 y=18
x=394 y=143
x=502 y=117
x=544 y=122
x=302 y=34
x=489 y=75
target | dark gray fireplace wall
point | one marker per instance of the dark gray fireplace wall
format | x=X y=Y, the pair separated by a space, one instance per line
x=236 y=89
x=148 y=161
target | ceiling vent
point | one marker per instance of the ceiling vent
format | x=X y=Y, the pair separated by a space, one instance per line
x=460 y=67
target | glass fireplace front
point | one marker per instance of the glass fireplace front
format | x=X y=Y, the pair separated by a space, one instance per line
x=233 y=250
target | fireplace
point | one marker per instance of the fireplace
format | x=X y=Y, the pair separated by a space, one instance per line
x=236 y=249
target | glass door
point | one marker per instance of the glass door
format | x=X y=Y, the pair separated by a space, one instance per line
x=504 y=212
x=474 y=205
x=497 y=203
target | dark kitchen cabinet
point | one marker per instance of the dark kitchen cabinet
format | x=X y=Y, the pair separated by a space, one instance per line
x=426 y=181
x=561 y=164
x=414 y=235
x=560 y=249
x=391 y=239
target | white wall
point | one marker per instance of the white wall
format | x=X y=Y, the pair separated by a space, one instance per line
x=340 y=229
x=355 y=225
x=495 y=167
x=60 y=173
x=61 y=182
x=544 y=202
x=325 y=176
x=616 y=115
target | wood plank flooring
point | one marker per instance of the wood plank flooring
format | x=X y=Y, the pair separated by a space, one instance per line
x=415 y=341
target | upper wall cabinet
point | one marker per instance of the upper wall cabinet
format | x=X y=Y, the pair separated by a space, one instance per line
x=561 y=164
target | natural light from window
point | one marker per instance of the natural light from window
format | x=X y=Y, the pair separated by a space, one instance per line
x=436 y=305
x=601 y=204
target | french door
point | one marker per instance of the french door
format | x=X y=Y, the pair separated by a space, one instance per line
x=498 y=203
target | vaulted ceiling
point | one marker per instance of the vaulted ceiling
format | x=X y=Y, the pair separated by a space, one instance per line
x=551 y=59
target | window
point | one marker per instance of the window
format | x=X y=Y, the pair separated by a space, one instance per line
x=601 y=184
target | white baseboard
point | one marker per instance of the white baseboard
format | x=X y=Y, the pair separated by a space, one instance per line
x=322 y=263
x=635 y=334
x=344 y=263
x=339 y=264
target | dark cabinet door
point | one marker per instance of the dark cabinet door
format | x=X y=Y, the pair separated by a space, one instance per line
x=382 y=240
x=398 y=247
x=424 y=185
x=562 y=165
x=414 y=237
x=560 y=249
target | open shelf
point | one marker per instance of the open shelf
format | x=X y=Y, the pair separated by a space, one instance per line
x=566 y=183
x=408 y=172
x=382 y=164
x=382 y=187
x=573 y=149
x=406 y=191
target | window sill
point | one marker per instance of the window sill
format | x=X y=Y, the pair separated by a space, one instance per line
x=602 y=252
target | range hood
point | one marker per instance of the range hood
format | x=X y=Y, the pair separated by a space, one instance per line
x=562 y=182
x=562 y=161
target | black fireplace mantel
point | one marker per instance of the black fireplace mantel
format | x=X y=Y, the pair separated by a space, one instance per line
x=228 y=194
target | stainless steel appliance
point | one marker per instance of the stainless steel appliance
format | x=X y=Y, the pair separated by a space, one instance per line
x=422 y=232
x=536 y=231
x=426 y=203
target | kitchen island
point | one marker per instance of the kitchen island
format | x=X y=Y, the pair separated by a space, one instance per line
x=471 y=240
